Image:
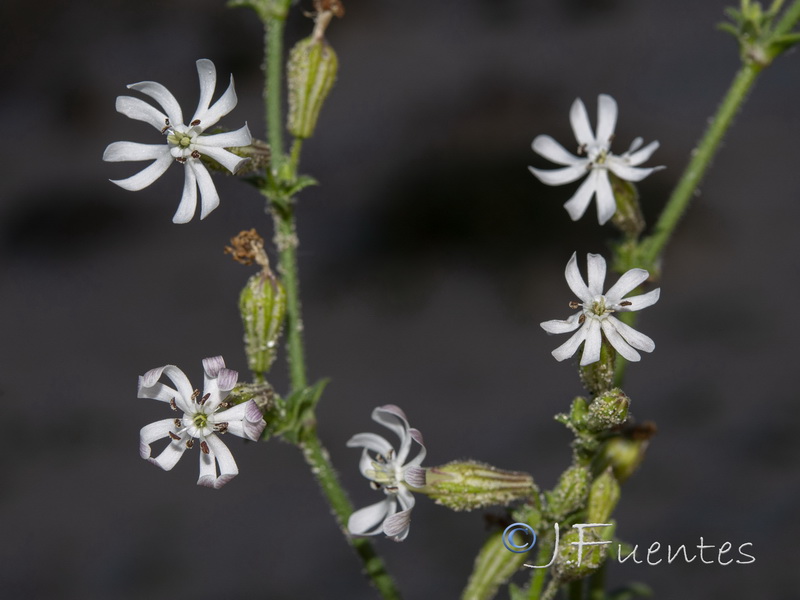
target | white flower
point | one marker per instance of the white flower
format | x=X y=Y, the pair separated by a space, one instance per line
x=202 y=420
x=596 y=314
x=387 y=471
x=185 y=144
x=594 y=157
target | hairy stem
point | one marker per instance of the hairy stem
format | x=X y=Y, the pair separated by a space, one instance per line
x=319 y=461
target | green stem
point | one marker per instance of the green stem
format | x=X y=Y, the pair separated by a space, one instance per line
x=286 y=242
x=273 y=44
x=597 y=583
x=319 y=461
x=701 y=159
x=654 y=245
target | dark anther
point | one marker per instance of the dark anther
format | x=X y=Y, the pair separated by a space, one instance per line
x=178 y=423
x=625 y=303
x=195 y=394
x=574 y=304
x=204 y=448
x=174 y=436
x=204 y=398
x=195 y=154
x=172 y=404
x=166 y=126
x=181 y=160
x=190 y=443
x=195 y=123
x=221 y=427
x=582 y=319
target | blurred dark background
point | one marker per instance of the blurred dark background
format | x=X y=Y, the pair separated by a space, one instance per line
x=429 y=256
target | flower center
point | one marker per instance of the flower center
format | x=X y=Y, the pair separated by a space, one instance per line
x=181 y=140
x=384 y=472
x=200 y=420
x=597 y=309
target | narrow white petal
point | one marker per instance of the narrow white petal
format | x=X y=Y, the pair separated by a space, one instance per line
x=397 y=526
x=227 y=465
x=209 y=199
x=229 y=139
x=393 y=417
x=594 y=341
x=606 y=203
x=569 y=347
x=227 y=159
x=170 y=456
x=133 y=151
x=596 y=269
x=208 y=468
x=149 y=387
x=637 y=158
x=207 y=74
x=579 y=119
x=629 y=281
x=415 y=476
x=553 y=151
x=557 y=326
x=636 y=339
x=156 y=391
x=244 y=420
x=575 y=281
x=616 y=340
x=369 y=520
x=560 y=176
x=146 y=176
x=606 y=118
x=164 y=97
x=370 y=441
x=640 y=302
x=415 y=435
x=139 y=110
x=154 y=432
x=219 y=109
x=577 y=205
x=188 y=204
x=182 y=384
x=626 y=172
x=635 y=145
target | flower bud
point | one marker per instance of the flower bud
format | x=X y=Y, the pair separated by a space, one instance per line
x=628 y=218
x=579 y=556
x=608 y=410
x=262 y=304
x=598 y=377
x=624 y=453
x=571 y=491
x=311 y=72
x=469 y=485
x=603 y=497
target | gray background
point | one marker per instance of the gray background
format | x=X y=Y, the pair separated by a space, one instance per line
x=429 y=256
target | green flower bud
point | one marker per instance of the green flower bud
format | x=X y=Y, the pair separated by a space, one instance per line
x=262 y=304
x=608 y=410
x=628 y=218
x=624 y=453
x=598 y=377
x=570 y=493
x=603 y=497
x=581 y=552
x=469 y=485
x=311 y=72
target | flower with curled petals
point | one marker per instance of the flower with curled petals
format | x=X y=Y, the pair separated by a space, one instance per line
x=185 y=143
x=205 y=418
x=596 y=319
x=594 y=159
x=389 y=471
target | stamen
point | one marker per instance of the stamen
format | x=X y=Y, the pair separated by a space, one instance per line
x=204 y=399
x=195 y=123
x=178 y=423
x=225 y=404
x=581 y=149
x=190 y=443
x=173 y=405
x=374 y=485
x=221 y=427
x=582 y=319
x=174 y=436
x=166 y=126
x=195 y=393
x=573 y=304
x=181 y=160
x=204 y=447
x=195 y=154
x=625 y=303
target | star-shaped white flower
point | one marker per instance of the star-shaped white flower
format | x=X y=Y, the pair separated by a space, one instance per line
x=185 y=143
x=205 y=418
x=389 y=471
x=594 y=158
x=596 y=314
